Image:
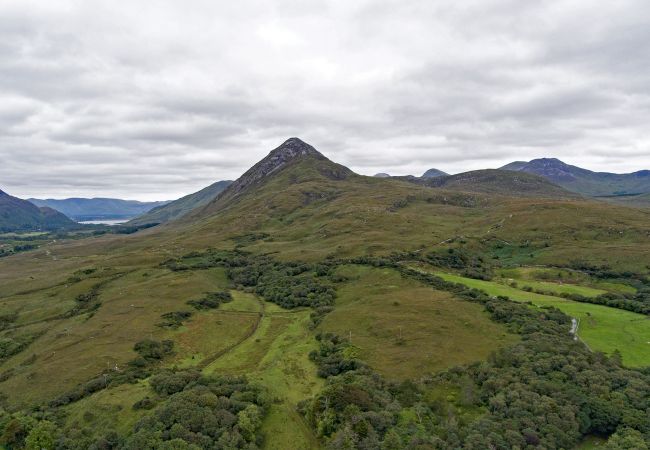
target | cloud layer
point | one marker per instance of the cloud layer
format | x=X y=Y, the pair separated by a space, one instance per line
x=153 y=100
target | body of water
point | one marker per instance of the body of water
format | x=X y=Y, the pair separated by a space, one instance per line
x=105 y=222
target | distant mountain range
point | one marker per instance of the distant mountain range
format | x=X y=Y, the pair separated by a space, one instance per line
x=81 y=209
x=627 y=188
x=20 y=215
x=544 y=177
x=178 y=208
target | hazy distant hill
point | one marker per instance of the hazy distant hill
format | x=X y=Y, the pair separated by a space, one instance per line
x=432 y=173
x=98 y=208
x=586 y=182
x=178 y=208
x=20 y=215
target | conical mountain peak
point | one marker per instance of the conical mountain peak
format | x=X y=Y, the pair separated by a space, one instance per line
x=292 y=149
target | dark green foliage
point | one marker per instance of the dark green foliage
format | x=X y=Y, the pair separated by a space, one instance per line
x=89 y=302
x=145 y=403
x=469 y=264
x=174 y=319
x=169 y=382
x=150 y=349
x=246 y=239
x=638 y=303
x=206 y=412
x=288 y=284
x=127 y=229
x=211 y=300
x=7 y=320
x=330 y=357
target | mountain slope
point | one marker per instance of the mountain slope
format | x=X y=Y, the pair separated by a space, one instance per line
x=97 y=208
x=178 y=208
x=500 y=182
x=583 y=181
x=20 y=215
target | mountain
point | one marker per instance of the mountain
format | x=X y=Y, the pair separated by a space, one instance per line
x=381 y=175
x=432 y=173
x=501 y=182
x=586 y=182
x=20 y=215
x=306 y=164
x=178 y=208
x=97 y=208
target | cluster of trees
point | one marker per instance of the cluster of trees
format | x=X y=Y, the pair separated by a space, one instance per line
x=547 y=391
x=174 y=319
x=638 y=302
x=333 y=356
x=288 y=284
x=211 y=300
x=189 y=411
x=470 y=264
x=199 y=412
x=7 y=251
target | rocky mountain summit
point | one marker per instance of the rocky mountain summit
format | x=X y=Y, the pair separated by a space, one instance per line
x=291 y=150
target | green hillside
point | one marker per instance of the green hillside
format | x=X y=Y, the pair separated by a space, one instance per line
x=21 y=215
x=178 y=208
x=286 y=312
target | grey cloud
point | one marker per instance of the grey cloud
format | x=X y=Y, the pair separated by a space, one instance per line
x=99 y=98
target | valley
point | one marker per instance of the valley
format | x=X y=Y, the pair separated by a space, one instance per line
x=306 y=306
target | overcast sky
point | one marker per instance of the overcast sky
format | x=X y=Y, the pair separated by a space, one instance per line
x=157 y=99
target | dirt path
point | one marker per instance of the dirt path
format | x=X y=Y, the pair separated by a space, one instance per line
x=212 y=358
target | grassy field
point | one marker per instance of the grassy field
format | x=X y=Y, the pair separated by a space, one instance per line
x=602 y=328
x=131 y=307
x=560 y=281
x=276 y=356
x=405 y=329
x=110 y=409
